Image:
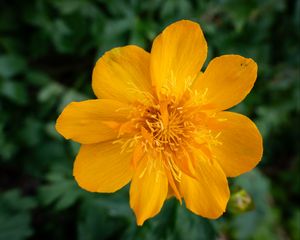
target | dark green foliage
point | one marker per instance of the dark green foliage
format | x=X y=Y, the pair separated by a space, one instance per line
x=47 y=52
x=15 y=215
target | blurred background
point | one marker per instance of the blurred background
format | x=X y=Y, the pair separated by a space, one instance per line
x=47 y=52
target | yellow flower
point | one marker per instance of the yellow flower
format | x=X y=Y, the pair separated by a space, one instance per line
x=159 y=123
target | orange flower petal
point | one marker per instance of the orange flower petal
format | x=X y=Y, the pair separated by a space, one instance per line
x=241 y=143
x=177 y=56
x=226 y=81
x=102 y=167
x=122 y=74
x=149 y=189
x=208 y=194
x=92 y=121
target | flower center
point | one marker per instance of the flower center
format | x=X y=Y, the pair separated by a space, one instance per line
x=168 y=130
x=164 y=126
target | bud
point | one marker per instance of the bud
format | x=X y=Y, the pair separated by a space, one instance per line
x=240 y=201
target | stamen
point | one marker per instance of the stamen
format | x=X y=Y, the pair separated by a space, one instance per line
x=168 y=128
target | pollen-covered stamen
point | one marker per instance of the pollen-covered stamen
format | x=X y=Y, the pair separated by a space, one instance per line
x=167 y=126
x=170 y=129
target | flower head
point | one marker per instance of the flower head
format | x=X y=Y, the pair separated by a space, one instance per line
x=159 y=123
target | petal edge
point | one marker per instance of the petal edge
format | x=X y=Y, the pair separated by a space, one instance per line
x=148 y=190
x=226 y=81
x=122 y=74
x=207 y=195
x=102 y=167
x=177 y=56
x=242 y=144
x=86 y=122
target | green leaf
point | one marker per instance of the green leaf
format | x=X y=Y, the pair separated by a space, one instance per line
x=174 y=222
x=15 y=91
x=261 y=221
x=191 y=225
x=11 y=65
x=294 y=227
x=31 y=133
x=62 y=190
x=15 y=217
x=49 y=92
x=104 y=217
x=7 y=148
